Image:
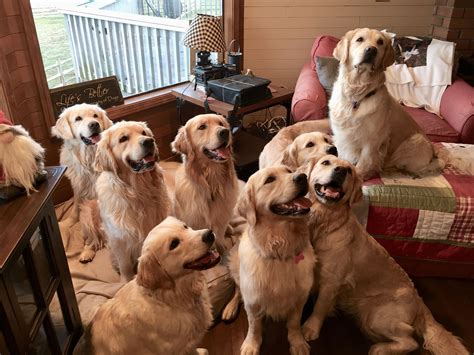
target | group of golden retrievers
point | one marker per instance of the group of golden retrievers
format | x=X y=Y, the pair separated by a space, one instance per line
x=301 y=235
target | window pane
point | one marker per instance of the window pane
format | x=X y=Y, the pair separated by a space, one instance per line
x=41 y=258
x=23 y=290
x=139 y=41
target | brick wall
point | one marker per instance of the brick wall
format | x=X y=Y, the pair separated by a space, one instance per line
x=453 y=20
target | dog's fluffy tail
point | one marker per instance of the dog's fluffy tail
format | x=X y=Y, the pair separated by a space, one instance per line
x=437 y=339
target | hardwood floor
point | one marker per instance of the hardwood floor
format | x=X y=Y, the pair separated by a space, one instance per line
x=450 y=300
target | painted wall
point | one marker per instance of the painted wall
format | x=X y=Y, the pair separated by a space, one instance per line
x=278 y=34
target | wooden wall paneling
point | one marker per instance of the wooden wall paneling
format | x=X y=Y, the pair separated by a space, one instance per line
x=7 y=101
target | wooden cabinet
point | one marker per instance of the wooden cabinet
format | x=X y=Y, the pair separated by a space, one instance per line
x=38 y=307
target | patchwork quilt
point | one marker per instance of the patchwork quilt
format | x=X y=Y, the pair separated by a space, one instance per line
x=429 y=218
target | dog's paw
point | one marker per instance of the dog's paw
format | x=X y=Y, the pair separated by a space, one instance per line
x=87 y=256
x=249 y=348
x=230 y=311
x=310 y=331
x=299 y=348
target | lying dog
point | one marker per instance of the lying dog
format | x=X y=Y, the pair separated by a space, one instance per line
x=206 y=185
x=357 y=274
x=273 y=151
x=80 y=127
x=131 y=192
x=371 y=129
x=306 y=146
x=165 y=309
x=273 y=264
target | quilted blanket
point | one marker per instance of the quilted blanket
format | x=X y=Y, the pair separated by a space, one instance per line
x=427 y=223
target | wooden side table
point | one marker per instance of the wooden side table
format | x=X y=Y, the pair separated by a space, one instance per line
x=247 y=147
x=38 y=307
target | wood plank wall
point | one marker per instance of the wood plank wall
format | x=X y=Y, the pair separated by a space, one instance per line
x=278 y=34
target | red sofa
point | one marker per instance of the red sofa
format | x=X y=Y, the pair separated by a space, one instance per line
x=457 y=105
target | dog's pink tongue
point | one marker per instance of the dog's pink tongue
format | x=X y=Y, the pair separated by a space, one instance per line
x=149 y=158
x=95 y=138
x=302 y=202
x=223 y=153
x=330 y=192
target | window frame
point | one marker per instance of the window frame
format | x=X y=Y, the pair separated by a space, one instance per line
x=233 y=11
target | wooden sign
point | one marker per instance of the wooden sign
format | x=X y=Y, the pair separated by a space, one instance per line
x=104 y=92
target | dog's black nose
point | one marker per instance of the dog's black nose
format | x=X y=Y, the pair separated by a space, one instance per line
x=340 y=171
x=224 y=134
x=332 y=150
x=208 y=237
x=94 y=126
x=370 y=52
x=300 y=179
x=148 y=143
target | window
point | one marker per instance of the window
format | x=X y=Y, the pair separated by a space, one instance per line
x=139 y=41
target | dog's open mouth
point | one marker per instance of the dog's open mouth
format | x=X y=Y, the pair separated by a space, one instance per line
x=144 y=164
x=221 y=153
x=296 y=207
x=93 y=139
x=331 y=192
x=208 y=260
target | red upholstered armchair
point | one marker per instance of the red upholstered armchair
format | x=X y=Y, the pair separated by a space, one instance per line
x=457 y=104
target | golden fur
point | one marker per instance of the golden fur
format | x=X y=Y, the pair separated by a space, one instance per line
x=206 y=190
x=72 y=127
x=357 y=274
x=274 y=261
x=166 y=309
x=274 y=150
x=21 y=158
x=131 y=203
x=374 y=132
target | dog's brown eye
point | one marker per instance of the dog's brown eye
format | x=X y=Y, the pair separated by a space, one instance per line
x=202 y=127
x=95 y=115
x=143 y=133
x=326 y=162
x=221 y=124
x=123 y=139
x=78 y=118
x=326 y=140
x=270 y=179
x=174 y=243
x=380 y=41
x=309 y=145
x=185 y=226
x=360 y=39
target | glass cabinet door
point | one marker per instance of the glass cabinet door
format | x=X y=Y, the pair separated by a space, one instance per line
x=42 y=260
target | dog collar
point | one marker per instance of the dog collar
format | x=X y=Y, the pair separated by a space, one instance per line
x=299 y=257
x=356 y=104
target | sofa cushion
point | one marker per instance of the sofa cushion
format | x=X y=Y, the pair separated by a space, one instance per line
x=323 y=47
x=437 y=130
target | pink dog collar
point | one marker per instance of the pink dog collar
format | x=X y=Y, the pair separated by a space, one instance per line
x=299 y=257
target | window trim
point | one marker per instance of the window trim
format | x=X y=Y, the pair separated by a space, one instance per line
x=233 y=16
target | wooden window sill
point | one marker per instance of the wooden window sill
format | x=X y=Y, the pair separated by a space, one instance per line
x=142 y=102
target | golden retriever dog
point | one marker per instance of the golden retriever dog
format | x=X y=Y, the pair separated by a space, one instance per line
x=273 y=151
x=166 y=308
x=371 y=129
x=80 y=127
x=206 y=185
x=21 y=158
x=130 y=189
x=359 y=276
x=312 y=145
x=274 y=261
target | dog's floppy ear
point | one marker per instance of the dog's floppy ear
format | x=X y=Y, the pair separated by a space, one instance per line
x=104 y=158
x=151 y=274
x=341 y=52
x=246 y=206
x=389 y=54
x=356 y=195
x=181 y=143
x=62 y=129
x=290 y=156
x=106 y=122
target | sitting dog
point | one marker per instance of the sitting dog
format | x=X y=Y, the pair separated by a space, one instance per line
x=130 y=189
x=165 y=309
x=371 y=129
x=80 y=128
x=357 y=274
x=273 y=264
x=312 y=145
x=273 y=151
x=206 y=185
